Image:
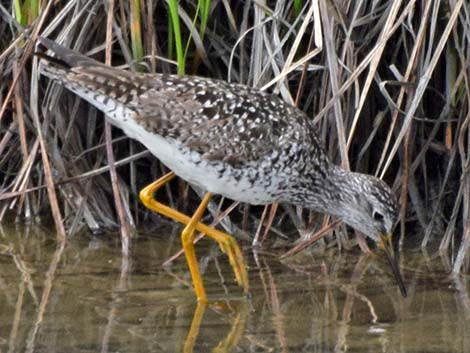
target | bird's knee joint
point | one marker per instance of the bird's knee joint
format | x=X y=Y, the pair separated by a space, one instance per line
x=145 y=196
x=186 y=237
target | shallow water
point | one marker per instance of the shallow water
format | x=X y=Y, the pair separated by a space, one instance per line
x=84 y=298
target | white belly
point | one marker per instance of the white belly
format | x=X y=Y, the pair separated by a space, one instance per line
x=189 y=166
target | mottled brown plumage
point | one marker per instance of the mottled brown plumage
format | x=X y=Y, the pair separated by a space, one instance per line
x=200 y=112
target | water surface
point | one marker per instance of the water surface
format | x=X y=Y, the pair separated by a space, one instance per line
x=85 y=298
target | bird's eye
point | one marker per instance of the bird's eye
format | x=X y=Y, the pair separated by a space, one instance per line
x=377 y=216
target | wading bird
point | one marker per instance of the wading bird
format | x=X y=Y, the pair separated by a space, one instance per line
x=232 y=140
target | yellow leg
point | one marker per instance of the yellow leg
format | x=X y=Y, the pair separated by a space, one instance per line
x=187 y=238
x=228 y=244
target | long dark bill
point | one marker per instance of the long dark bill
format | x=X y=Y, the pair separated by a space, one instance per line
x=387 y=246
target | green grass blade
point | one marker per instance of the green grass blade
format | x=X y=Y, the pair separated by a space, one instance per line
x=297 y=7
x=205 y=8
x=33 y=10
x=175 y=21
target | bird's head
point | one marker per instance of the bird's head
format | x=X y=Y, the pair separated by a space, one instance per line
x=367 y=204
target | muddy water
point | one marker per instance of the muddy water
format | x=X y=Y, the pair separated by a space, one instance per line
x=84 y=298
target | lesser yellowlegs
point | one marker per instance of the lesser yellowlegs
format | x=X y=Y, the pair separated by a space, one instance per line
x=232 y=140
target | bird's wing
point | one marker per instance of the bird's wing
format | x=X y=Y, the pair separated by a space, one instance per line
x=221 y=121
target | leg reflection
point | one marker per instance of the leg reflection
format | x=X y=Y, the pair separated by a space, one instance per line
x=195 y=326
x=238 y=312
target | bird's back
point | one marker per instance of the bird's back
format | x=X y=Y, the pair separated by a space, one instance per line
x=234 y=131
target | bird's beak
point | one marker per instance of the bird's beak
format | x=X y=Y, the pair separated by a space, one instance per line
x=385 y=243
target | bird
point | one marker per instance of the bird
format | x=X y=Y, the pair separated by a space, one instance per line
x=228 y=139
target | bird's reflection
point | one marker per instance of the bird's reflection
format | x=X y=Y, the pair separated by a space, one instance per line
x=237 y=313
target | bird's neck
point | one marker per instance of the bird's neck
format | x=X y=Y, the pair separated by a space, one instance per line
x=330 y=193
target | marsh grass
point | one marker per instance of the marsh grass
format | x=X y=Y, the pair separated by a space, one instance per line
x=386 y=83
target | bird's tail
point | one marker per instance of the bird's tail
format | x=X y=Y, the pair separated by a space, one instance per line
x=59 y=60
x=64 y=57
x=105 y=87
